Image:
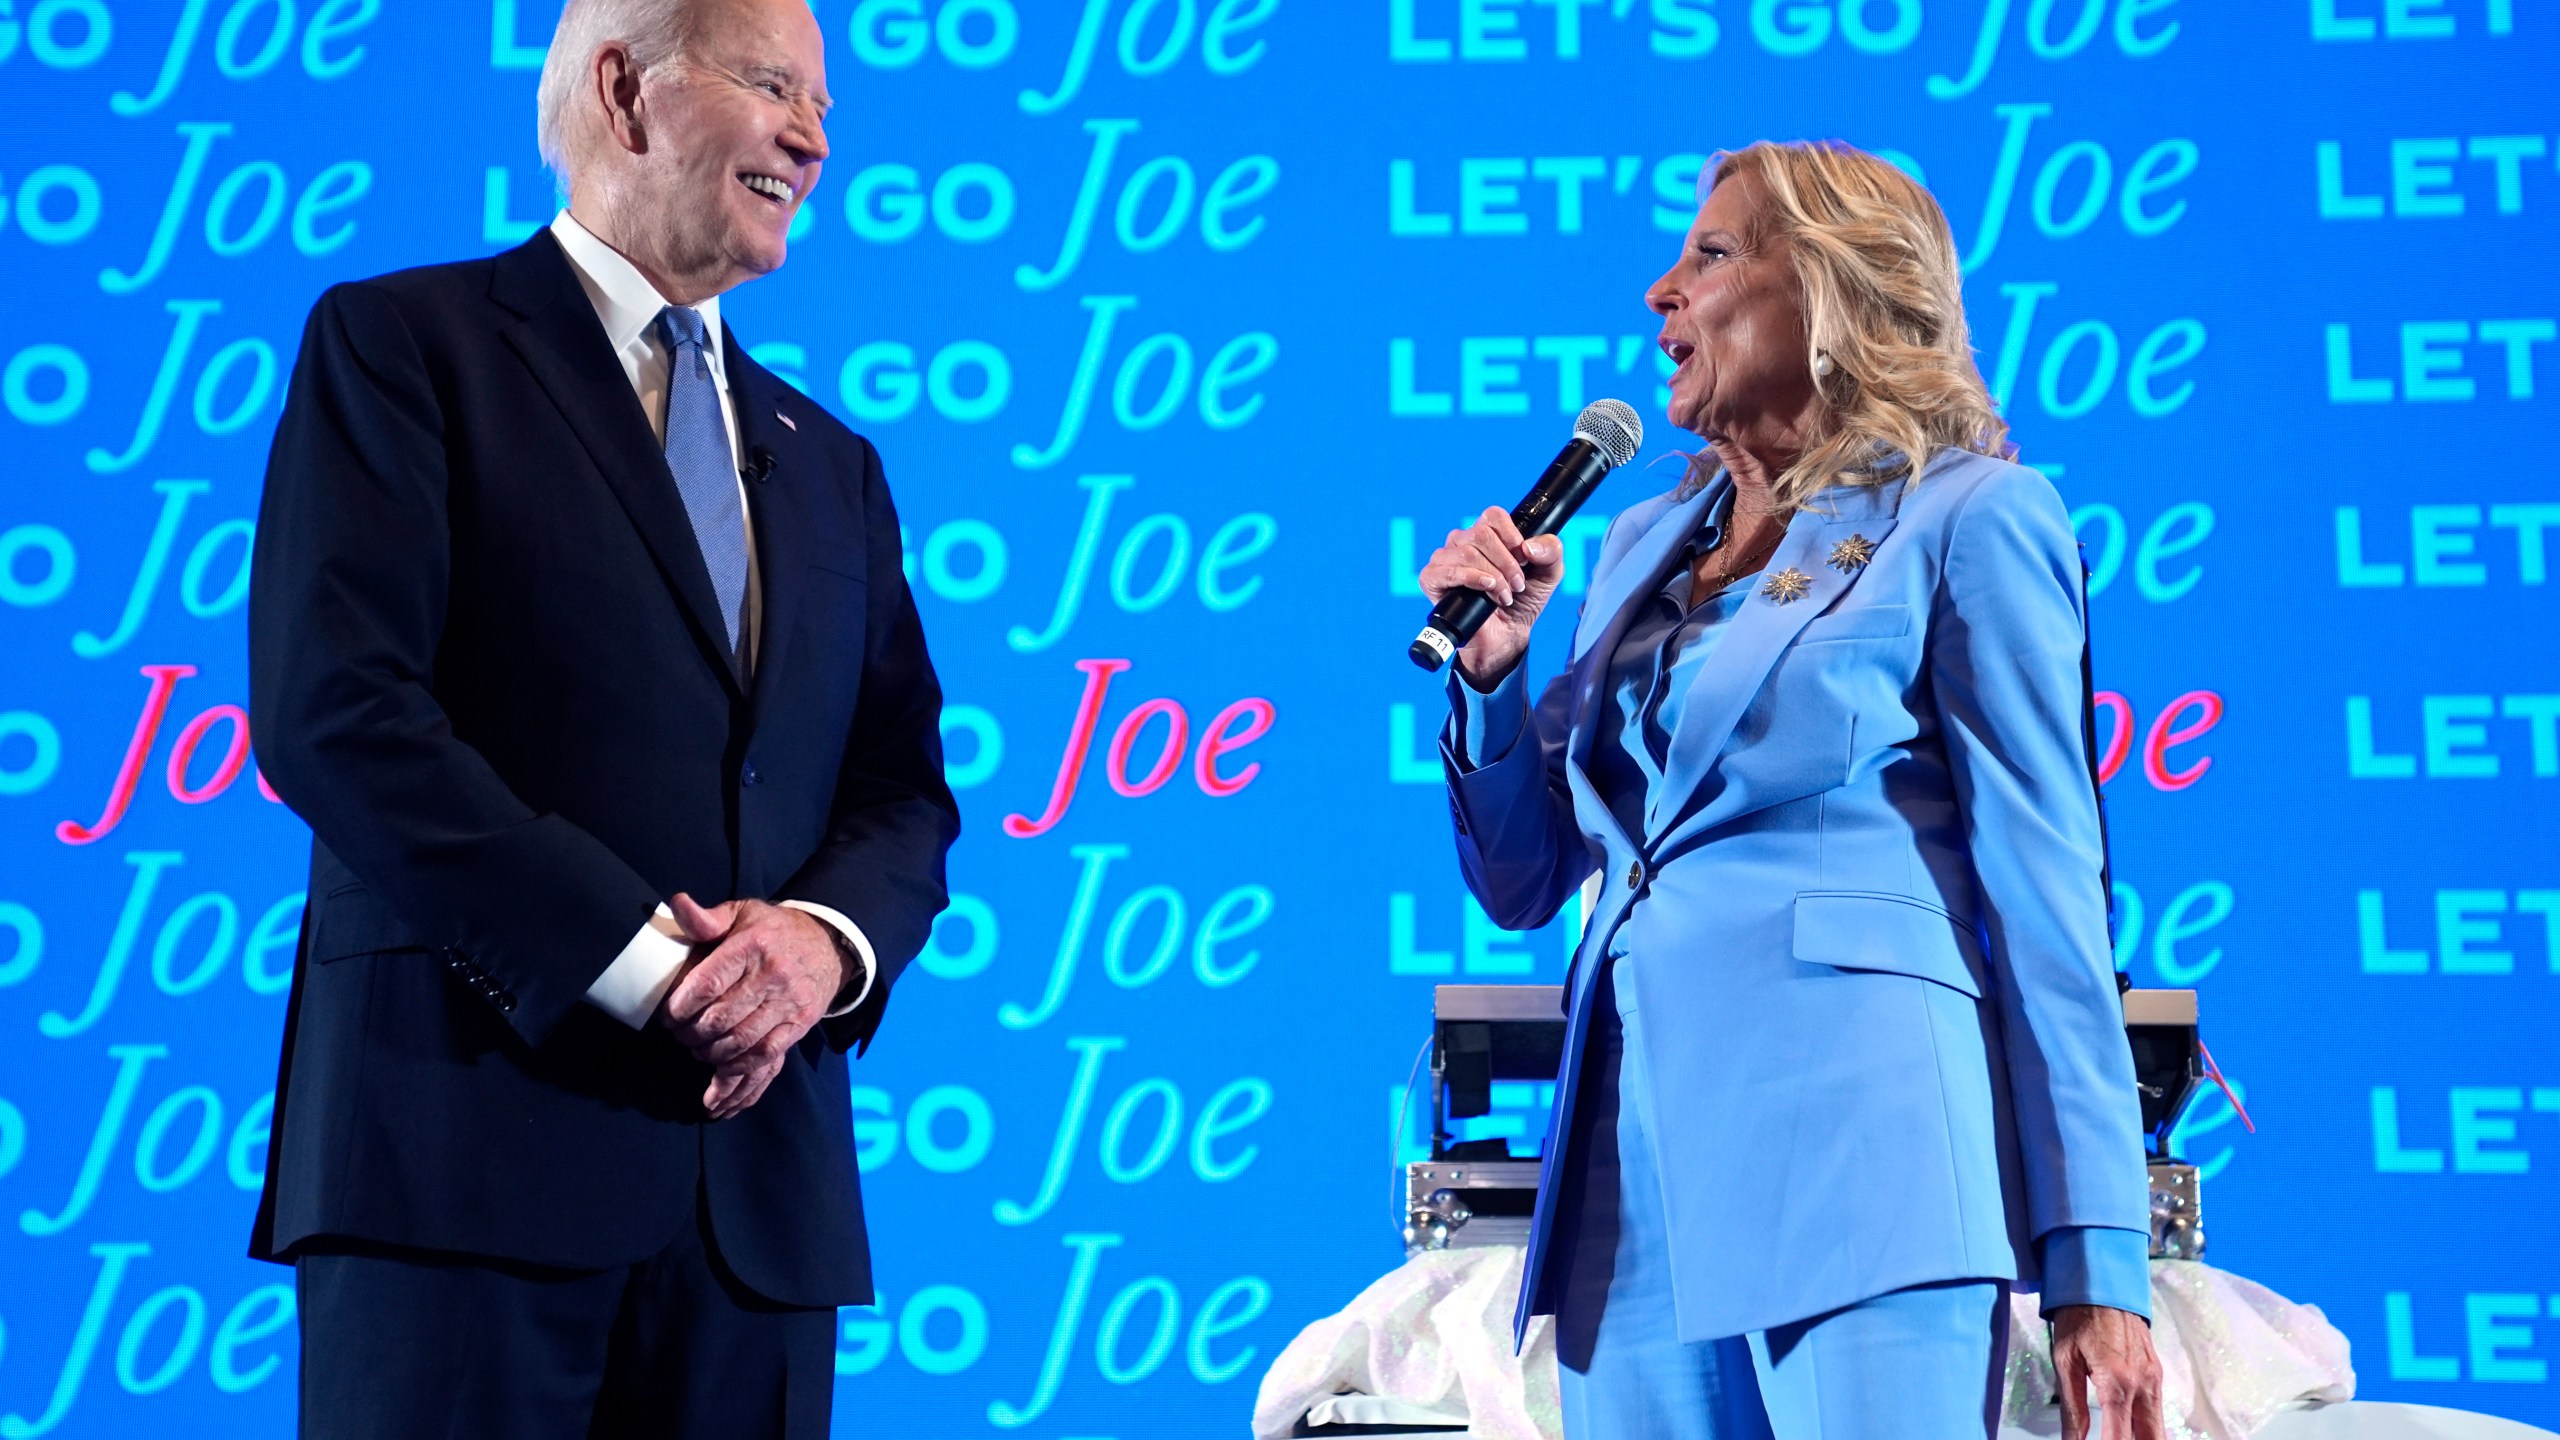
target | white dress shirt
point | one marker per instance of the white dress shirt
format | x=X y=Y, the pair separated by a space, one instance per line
x=632 y=987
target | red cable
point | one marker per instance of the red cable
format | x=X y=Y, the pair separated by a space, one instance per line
x=2214 y=1072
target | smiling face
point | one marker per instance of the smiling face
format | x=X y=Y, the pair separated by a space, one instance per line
x=730 y=140
x=1733 y=320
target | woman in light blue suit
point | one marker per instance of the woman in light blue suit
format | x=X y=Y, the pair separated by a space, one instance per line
x=1845 y=1063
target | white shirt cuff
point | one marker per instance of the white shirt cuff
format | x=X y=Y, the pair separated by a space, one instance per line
x=631 y=988
x=853 y=935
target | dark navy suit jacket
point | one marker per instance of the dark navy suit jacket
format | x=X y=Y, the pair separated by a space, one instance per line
x=488 y=669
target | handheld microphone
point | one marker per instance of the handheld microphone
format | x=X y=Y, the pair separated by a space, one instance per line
x=1605 y=436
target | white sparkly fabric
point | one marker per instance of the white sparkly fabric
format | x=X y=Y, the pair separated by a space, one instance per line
x=1435 y=1331
x=2232 y=1354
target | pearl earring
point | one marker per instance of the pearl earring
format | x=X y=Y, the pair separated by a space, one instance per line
x=1821 y=363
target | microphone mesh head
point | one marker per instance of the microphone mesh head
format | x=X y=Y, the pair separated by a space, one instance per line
x=1612 y=427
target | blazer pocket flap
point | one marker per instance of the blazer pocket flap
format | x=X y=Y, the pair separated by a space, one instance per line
x=353 y=922
x=1865 y=622
x=1867 y=930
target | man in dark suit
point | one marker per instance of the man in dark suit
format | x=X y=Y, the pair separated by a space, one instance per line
x=569 y=620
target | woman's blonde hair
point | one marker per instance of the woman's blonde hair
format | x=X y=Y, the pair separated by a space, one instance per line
x=1884 y=299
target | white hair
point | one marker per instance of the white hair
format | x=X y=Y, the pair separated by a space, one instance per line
x=656 y=31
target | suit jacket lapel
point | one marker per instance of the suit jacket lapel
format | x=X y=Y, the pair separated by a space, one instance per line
x=777 y=507
x=564 y=346
x=1611 y=608
x=1757 y=637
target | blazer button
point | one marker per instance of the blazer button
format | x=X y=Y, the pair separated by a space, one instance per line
x=747 y=774
x=1635 y=873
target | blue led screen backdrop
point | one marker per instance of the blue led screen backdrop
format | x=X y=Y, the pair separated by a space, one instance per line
x=1187 y=327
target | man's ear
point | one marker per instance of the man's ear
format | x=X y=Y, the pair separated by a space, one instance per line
x=617 y=88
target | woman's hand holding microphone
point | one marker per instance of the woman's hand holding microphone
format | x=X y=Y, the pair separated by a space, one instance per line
x=1520 y=574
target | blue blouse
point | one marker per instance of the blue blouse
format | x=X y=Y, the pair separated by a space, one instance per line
x=1657 y=660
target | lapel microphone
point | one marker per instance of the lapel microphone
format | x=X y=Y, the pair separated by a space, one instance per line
x=1605 y=436
x=759 y=464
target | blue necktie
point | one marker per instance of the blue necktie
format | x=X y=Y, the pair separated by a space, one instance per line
x=706 y=471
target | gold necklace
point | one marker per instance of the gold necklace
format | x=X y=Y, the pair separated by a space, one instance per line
x=1726 y=575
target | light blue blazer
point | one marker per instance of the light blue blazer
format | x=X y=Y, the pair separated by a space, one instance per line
x=1869 y=940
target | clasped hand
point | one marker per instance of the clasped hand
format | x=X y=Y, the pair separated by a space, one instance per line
x=763 y=976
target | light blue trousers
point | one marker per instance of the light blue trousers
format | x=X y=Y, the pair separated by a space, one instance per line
x=1923 y=1363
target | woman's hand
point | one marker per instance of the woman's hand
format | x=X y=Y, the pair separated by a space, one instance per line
x=2109 y=1350
x=1519 y=574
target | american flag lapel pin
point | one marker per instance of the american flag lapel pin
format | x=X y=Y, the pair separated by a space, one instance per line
x=787 y=421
